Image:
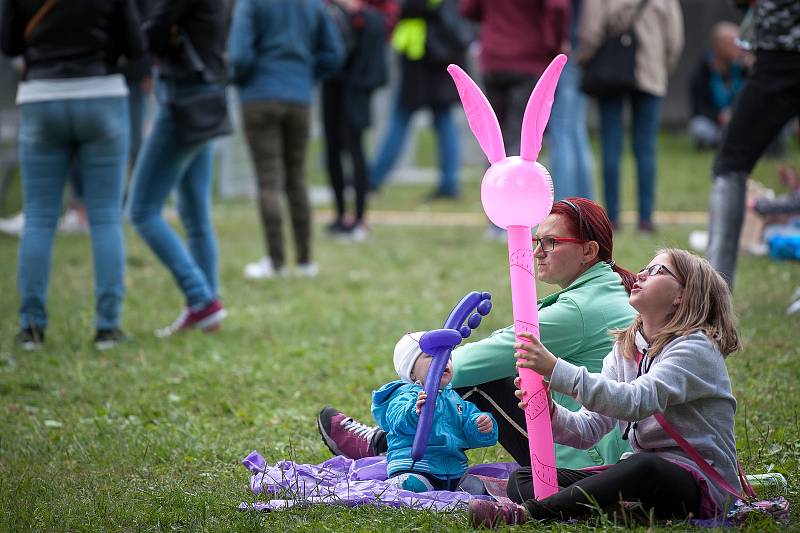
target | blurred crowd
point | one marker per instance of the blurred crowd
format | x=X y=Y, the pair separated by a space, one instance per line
x=85 y=97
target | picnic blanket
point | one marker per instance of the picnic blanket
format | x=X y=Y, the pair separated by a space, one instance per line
x=348 y=482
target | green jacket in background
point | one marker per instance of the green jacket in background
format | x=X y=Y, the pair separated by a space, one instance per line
x=574 y=325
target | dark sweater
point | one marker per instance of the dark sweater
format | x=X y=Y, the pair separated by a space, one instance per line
x=520 y=36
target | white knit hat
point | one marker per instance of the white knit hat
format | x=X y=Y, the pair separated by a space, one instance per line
x=406 y=352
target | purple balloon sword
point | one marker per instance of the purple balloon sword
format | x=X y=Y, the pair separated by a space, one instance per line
x=438 y=343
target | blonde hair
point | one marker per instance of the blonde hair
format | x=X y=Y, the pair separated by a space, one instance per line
x=705 y=306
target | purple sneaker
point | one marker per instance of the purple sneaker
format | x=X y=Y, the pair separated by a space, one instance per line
x=488 y=514
x=346 y=436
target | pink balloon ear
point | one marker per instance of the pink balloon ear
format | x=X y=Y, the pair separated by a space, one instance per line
x=480 y=115
x=537 y=112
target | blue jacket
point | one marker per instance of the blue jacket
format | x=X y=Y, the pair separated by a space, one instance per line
x=279 y=48
x=453 y=431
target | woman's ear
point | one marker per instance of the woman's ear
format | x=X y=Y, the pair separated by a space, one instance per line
x=591 y=250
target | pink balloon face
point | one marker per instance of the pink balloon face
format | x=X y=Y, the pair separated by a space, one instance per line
x=516 y=192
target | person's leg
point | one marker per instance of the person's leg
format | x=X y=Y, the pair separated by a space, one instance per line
x=563 y=165
x=497 y=397
x=518 y=92
x=612 y=135
x=136 y=108
x=332 y=121
x=495 y=87
x=581 y=146
x=355 y=144
x=194 y=208
x=161 y=163
x=776 y=80
x=295 y=132
x=449 y=151
x=391 y=146
x=520 y=483
x=262 y=123
x=101 y=126
x=674 y=495
x=45 y=154
x=646 y=117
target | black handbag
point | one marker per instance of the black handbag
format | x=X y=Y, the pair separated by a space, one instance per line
x=202 y=116
x=612 y=69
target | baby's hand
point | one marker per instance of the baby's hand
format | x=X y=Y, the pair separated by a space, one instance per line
x=484 y=424
x=421 y=400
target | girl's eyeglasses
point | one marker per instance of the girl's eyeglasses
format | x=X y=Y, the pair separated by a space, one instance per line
x=655 y=270
x=548 y=244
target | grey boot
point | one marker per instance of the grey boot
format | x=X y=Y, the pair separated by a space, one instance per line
x=725 y=217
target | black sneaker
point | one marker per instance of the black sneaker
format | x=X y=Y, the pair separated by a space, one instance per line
x=30 y=338
x=106 y=339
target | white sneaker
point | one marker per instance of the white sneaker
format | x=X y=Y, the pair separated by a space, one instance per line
x=262 y=269
x=12 y=225
x=71 y=222
x=308 y=270
x=359 y=233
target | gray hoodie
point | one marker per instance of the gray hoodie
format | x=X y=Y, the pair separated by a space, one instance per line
x=688 y=382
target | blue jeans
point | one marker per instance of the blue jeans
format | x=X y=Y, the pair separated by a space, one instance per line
x=90 y=135
x=646 y=113
x=394 y=140
x=571 y=161
x=165 y=164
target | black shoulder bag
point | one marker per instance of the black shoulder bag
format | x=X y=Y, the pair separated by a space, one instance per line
x=612 y=69
x=200 y=117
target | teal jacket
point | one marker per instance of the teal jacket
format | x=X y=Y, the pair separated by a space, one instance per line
x=574 y=325
x=453 y=431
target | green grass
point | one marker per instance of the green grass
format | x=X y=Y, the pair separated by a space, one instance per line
x=149 y=436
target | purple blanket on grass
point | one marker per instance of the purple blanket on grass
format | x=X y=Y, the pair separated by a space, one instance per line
x=343 y=481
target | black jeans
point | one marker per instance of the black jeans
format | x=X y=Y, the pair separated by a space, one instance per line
x=667 y=489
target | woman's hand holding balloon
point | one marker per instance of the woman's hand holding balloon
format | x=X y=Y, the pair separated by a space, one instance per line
x=534 y=355
x=519 y=393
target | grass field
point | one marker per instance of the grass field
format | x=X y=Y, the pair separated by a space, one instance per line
x=150 y=436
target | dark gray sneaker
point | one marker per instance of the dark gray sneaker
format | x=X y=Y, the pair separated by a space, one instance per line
x=106 y=339
x=30 y=338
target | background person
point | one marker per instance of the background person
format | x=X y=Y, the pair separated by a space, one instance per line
x=658 y=28
x=74 y=115
x=775 y=83
x=278 y=50
x=166 y=163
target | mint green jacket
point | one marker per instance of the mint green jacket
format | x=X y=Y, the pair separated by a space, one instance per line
x=574 y=325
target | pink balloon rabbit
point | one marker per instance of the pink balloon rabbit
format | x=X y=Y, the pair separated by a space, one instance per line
x=517 y=193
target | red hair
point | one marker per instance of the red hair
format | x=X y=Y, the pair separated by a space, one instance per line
x=587 y=220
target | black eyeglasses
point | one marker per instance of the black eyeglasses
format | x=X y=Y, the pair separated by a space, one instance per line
x=655 y=270
x=548 y=244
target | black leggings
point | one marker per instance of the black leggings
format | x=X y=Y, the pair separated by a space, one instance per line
x=669 y=490
x=342 y=135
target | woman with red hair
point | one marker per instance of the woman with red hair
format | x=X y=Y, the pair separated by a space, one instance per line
x=573 y=249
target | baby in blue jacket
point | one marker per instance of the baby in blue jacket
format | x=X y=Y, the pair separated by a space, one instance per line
x=457 y=424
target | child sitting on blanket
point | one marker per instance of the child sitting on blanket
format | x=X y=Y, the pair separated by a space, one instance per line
x=457 y=424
